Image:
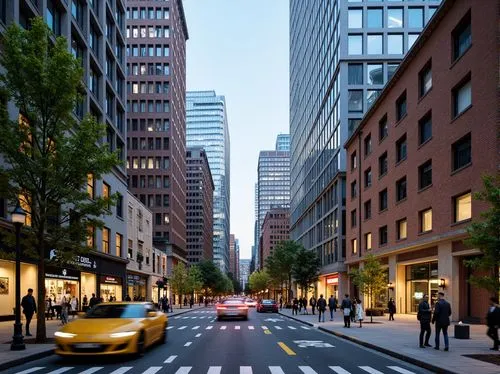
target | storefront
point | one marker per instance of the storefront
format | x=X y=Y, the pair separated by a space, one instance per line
x=111 y=288
x=62 y=283
x=421 y=279
x=137 y=286
x=332 y=286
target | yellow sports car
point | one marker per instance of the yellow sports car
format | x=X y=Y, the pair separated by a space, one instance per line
x=111 y=329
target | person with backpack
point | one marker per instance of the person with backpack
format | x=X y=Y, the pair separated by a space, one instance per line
x=312 y=303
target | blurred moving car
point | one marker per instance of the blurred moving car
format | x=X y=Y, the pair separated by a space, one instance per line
x=232 y=308
x=113 y=328
x=251 y=303
x=267 y=306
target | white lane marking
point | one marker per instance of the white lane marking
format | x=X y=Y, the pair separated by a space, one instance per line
x=184 y=370
x=177 y=317
x=121 y=370
x=400 y=370
x=214 y=370
x=188 y=344
x=170 y=327
x=195 y=328
x=339 y=370
x=276 y=370
x=170 y=360
x=153 y=370
x=32 y=370
x=223 y=327
x=197 y=335
x=203 y=317
x=278 y=328
x=237 y=327
x=307 y=370
x=194 y=317
x=246 y=370
x=251 y=328
x=292 y=328
x=264 y=327
x=182 y=328
x=209 y=328
x=92 y=370
x=370 y=370
x=61 y=370
x=305 y=328
x=185 y=317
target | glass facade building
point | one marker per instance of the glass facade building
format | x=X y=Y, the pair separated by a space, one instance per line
x=207 y=127
x=342 y=53
x=283 y=142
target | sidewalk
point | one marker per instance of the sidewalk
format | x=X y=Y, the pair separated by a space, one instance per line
x=399 y=339
x=33 y=351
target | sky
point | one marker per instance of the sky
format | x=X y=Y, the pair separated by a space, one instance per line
x=239 y=48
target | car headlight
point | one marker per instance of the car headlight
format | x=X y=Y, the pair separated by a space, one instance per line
x=123 y=334
x=61 y=334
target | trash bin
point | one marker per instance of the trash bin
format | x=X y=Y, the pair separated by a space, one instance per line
x=462 y=331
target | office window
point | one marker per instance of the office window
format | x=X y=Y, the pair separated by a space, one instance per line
x=374 y=18
x=368 y=209
x=425 y=128
x=368 y=241
x=353 y=218
x=91 y=236
x=382 y=195
x=462 y=152
x=374 y=44
x=355 y=74
x=412 y=38
x=401 y=107
x=382 y=235
x=354 y=246
x=425 y=174
x=462 y=97
x=416 y=18
x=354 y=189
x=426 y=220
x=395 y=17
x=106 y=192
x=53 y=16
x=402 y=226
x=401 y=149
x=355 y=103
x=395 y=44
x=368 y=144
x=391 y=69
x=368 y=177
x=382 y=164
x=105 y=240
x=401 y=189
x=462 y=37
x=383 y=130
x=119 y=205
x=425 y=79
x=375 y=74
x=354 y=161
x=355 y=44
x=463 y=207
x=355 y=18
x=371 y=97
x=90 y=185
x=118 y=245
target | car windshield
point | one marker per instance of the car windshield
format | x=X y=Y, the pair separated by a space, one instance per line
x=117 y=311
x=268 y=302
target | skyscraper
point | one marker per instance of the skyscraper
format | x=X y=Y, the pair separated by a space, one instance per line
x=156 y=69
x=207 y=127
x=341 y=55
x=283 y=142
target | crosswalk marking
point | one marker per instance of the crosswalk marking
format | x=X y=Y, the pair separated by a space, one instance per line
x=31 y=370
x=170 y=360
x=153 y=370
x=195 y=328
x=182 y=327
x=185 y=317
x=370 y=370
x=246 y=370
x=251 y=328
x=276 y=370
x=170 y=327
x=198 y=335
x=177 y=317
x=61 y=370
x=188 y=344
x=339 y=370
x=194 y=317
x=305 y=328
x=121 y=370
x=236 y=327
x=214 y=370
x=184 y=370
x=278 y=328
x=292 y=328
x=400 y=370
x=223 y=327
x=92 y=370
x=264 y=327
x=307 y=370
x=209 y=327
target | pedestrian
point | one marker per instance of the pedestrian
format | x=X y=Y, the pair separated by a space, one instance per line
x=359 y=313
x=391 y=305
x=332 y=304
x=424 y=316
x=493 y=322
x=93 y=301
x=346 y=307
x=74 y=306
x=442 y=313
x=281 y=302
x=48 y=308
x=304 y=304
x=29 y=308
x=312 y=303
x=127 y=298
x=191 y=302
x=353 y=310
x=64 y=310
x=321 y=308
x=295 y=306
x=185 y=301
x=85 y=303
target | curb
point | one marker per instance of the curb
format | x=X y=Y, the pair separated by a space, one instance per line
x=410 y=360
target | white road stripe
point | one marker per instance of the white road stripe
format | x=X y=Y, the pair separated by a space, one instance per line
x=32 y=370
x=292 y=328
x=370 y=370
x=264 y=327
x=236 y=327
x=198 y=335
x=92 y=370
x=278 y=328
x=61 y=370
x=223 y=327
x=246 y=370
x=195 y=328
x=170 y=360
x=184 y=370
x=185 y=317
x=276 y=370
x=170 y=327
x=251 y=328
x=305 y=328
x=153 y=370
x=339 y=370
x=214 y=370
x=202 y=317
x=188 y=344
x=194 y=317
x=209 y=328
x=307 y=370
x=400 y=370
x=182 y=328
x=121 y=370
x=177 y=317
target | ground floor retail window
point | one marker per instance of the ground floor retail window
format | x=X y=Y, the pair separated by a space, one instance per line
x=111 y=290
x=57 y=289
x=421 y=279
x=88 y=286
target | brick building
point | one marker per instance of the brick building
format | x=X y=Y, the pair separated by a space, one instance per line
x=419 y=154
x=275 y=229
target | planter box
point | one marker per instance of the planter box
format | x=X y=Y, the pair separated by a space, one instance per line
x=462 y=331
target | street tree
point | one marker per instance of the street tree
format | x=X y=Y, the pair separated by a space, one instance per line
x=47 y=154
x=195 y=280
x=371 y=279
x=211 y=276
x=179 y=281
x=305 y=269
x=485 y=236
x=258 y=281
x=279 y=264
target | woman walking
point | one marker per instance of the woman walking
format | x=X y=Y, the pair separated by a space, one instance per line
x=359 y=313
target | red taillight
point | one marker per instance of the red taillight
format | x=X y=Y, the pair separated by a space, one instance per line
x=221 y=307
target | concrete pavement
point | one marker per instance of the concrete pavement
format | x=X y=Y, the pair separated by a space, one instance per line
x=399 y=338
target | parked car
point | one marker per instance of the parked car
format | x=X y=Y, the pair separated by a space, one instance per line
x=267 y=305
x=251 y=303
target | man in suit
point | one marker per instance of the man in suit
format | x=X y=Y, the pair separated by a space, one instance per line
x=424 y=316
x=493 y=322
x=29 y=308
x=346 y=310
x=442 y=313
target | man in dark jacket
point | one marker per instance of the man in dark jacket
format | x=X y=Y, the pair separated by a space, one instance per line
x=29 y=308
x=424 y=316
x=346 y=307
x=312 y=303
x=493 y=322
x=321 y=308
x=442 y=313
x=332 y=304
x=93 y=301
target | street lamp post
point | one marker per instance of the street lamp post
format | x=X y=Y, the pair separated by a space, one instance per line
x=18 y=219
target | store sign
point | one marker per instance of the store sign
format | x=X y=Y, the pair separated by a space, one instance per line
x=110 y=280
x=135 y=280
x=62 y=273
x=81 y=261
x=332 y=280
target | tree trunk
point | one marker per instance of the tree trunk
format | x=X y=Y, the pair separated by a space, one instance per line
x=371 y=306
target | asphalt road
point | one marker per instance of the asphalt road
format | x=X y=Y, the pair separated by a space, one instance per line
x=266 y=343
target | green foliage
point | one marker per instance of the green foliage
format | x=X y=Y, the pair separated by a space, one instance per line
x=280 y=263
x=259 y=281
x=485 y=236
x=49 y=155
x=195 y=279
x=306 y=267
x=179 y=280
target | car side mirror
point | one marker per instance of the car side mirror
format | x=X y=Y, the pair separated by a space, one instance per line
x=151 y=314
